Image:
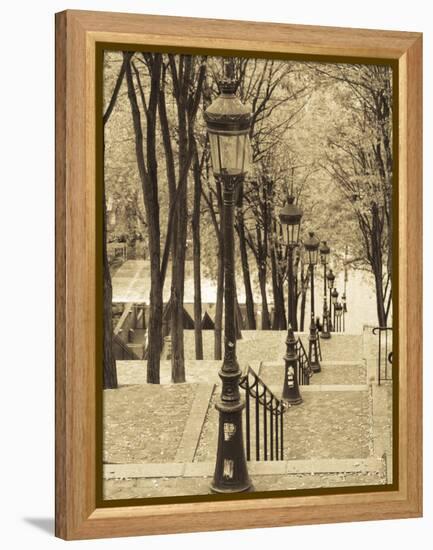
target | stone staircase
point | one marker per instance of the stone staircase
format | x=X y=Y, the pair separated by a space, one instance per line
x=339 y=436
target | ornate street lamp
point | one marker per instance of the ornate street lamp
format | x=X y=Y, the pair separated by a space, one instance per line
x=311 y=247
x=228 y=125
x=324 y=255
x=290 y=220
x=334 y=298
x=330 y=277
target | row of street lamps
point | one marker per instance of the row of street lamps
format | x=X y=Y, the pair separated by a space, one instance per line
x=228 y=125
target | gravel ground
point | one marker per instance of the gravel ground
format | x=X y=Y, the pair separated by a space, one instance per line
x=161 y=487
x=145 y=423
x=325 y=425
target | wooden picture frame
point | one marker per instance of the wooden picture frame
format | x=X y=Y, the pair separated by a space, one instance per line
x=78 y=514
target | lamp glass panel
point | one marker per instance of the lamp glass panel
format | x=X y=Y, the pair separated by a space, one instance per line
x=215 y=153
x=312 y=257
x=230 y=153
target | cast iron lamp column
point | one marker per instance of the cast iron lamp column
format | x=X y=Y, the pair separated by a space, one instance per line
x=324 y=254
x=330 y=278
x=344 y=296
x=228 y=124
x=290 y=219
x=334 y=297
x=311 y=245
x=291 y=393
x=344 y=306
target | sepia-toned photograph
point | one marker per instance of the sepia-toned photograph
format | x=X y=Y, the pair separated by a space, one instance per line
x=247 y=274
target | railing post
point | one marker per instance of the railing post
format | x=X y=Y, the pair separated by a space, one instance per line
x=257 y=421
x=281 y=407
x=265 y=425
x=272 y=430
x=247 y=417
x=379 y=356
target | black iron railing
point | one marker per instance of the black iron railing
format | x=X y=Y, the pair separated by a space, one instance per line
x=304 y=371
x=122 y=351
x=266 y=412
x=384 y=353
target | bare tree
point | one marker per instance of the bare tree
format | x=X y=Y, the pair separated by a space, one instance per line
x=148 y=171
x=109 y=362
x=187 y=75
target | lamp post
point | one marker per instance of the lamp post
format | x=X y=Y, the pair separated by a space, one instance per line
x=291 y=393
x=311 y=246
x=344 y=296
x=324 y=254
x=334 y=298
x=344 y=309
x=228 y=124
x=330 y=277
x=290 y=220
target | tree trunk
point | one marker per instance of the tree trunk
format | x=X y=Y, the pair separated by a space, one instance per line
x=148 y=171
x=109 y=365
x=279 y=322
x=266 y=322
x=380 y=303
x=196 y=260
x=238 y=320
x=219 y=304
x=177 y=290
x=155 y=328
x=109 y=370
x=249 y=300
x=376 y=264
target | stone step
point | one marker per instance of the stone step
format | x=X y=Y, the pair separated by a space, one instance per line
x=333 y=373
x=323 y=363
x=269 y=345
x=276 y=390
x=201 y=372
x=283 y=467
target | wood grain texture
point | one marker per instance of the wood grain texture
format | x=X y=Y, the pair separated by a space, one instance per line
x=76 y=34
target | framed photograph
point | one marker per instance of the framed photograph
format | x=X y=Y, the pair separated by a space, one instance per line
x=238 y=274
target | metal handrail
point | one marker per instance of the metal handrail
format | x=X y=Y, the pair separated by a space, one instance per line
x=305 y=371
x=132 y=356
x=383 y=359
x=258 y=391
